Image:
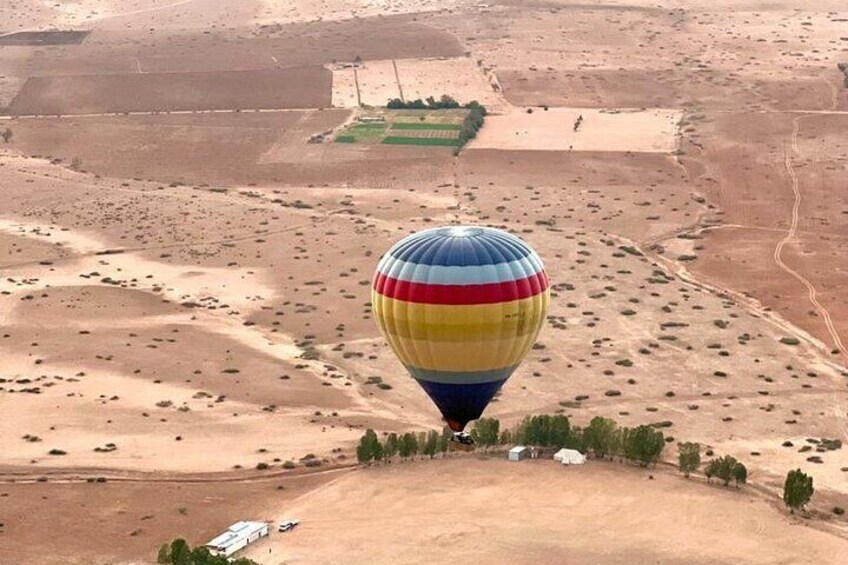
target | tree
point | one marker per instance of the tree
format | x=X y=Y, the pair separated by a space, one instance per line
x=740 y=474
x=723 y=468
x=797 y=490
x=408 y=445
x=414 y=447
x=6 y=135
x=599 y=436
x=560 y=431
x=369 y=448
x=477 y=107
x=643 y=444
x=432 y=444
x=576 y=439
x=180 y=552
x=689 y=457
x=390 y=447
x=505 y=437
x=444 y=440
x=485 y=432
x=164 y=555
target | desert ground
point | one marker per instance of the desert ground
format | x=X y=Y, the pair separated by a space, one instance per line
x=187 y=337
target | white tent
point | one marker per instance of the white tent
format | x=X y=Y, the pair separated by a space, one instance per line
x=569 y=457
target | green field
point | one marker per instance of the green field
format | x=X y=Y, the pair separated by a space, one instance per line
x=395 y=140
x=443 y=123
x=425 y=126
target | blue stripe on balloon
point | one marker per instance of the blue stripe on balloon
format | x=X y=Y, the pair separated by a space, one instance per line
x=460 y=246
x=481 y=274
x=461 y=403
x=461 y=377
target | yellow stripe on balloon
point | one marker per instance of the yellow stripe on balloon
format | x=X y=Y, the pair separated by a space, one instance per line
x=402 y=311
x=455 y=346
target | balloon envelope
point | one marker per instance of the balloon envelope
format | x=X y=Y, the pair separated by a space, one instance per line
x=461 y=307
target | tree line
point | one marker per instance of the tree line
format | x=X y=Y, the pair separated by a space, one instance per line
x=445 y=102
x=602 y=437
x=405 y=446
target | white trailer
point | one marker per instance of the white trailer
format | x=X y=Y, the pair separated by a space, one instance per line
x=238 y=536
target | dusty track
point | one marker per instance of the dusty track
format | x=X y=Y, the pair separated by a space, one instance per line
x=85 y=475
x=790 y=236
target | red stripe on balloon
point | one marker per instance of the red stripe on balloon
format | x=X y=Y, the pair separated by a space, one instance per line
x=461 y=294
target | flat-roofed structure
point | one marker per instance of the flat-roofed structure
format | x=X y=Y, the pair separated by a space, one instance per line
x=237 y=536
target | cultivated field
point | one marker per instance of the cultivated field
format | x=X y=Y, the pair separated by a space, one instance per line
x=406 y=127
x=187 y=241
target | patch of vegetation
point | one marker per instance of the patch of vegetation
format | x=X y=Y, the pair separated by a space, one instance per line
x=178 y=552
x=425 y=126
x=727 y=469
x=689 y=457
x=797 y=490
x=397 y=140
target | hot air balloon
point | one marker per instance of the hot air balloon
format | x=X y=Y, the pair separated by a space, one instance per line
x=461 y=306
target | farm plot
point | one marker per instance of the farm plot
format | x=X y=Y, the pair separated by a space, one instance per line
x=408 y=127
x=581 y=129
x=297 y=87
x=373 y=83
x=439 y=134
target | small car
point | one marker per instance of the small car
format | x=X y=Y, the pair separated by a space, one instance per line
x=287 y=525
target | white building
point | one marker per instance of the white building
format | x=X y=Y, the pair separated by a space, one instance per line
x=237 y=536
x=569 y=457
x=518 y=453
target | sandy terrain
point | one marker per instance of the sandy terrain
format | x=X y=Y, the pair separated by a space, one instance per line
x=299 y=87
x=173 y=282
x=460 y=504
x=553 y=129
x=65 y=519
x=410 y=79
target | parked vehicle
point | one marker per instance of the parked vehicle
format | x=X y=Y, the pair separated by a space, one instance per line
x=287 y=525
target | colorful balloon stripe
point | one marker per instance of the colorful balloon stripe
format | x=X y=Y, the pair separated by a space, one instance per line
x=461 y=294
x=440 y=274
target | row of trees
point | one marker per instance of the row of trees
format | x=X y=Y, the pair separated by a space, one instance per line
x=178 y=552
x=602 y=437
x=797 y=489
x=726 y=468
x=445 y=102
x=472 y=122
x=407 y=445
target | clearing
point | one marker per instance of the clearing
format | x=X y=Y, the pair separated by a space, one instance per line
x=552 y=129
